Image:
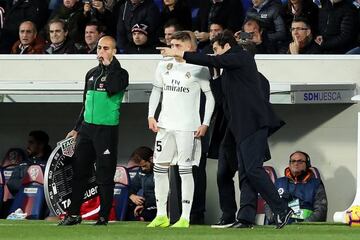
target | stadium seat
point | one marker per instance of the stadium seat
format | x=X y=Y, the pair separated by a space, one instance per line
x=12 y=158
x=30 y=198
x=260 y=214
x=159 y=4
x=194 y=13
x=246 y=5
x=315 y=172
x=133 y=171
x=121 y=192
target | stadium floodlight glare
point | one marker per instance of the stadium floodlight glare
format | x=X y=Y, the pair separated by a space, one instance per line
x=341 y=216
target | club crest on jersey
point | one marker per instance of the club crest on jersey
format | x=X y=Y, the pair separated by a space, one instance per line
x=188 y=75
x=169 y=66
x=103 y=79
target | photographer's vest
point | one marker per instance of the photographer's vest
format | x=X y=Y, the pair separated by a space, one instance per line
x=305 y=192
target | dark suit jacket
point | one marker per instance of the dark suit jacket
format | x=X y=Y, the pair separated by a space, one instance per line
x=245 y=106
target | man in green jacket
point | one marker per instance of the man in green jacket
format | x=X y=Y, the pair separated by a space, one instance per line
x=96 y=132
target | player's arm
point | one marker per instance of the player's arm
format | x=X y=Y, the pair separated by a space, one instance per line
x=154 y=100
x=209 y=103
x=228 y=61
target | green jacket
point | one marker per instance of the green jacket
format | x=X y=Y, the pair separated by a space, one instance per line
x=103 y=94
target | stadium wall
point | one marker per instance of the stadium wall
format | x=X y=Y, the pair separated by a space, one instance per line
x=328 y=132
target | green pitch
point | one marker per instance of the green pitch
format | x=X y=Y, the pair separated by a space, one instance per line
x=42 y=230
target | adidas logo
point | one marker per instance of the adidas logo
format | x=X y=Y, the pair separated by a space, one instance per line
x=107 y=152
x=91 y=79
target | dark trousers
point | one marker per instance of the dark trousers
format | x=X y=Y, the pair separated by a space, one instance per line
x=199 y=200
x=95 y=144
x=253 y=179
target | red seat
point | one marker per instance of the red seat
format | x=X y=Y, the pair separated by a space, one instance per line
x=31 y=198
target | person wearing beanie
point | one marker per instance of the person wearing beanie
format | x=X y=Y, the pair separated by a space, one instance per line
x=140 y=42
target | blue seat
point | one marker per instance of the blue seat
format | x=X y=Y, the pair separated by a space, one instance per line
x=31 y=198
x=121 y=192
x=159 y=4
x=194 y=13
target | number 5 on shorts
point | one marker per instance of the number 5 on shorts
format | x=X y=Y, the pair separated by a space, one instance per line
x=158 y=146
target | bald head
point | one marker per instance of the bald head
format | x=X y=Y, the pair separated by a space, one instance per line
x=106 y=50
x=109 y=41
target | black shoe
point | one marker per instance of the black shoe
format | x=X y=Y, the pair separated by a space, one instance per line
x=223 y=223
x=101 y=222
x=283 y=218
x=239 y=224
x=69 y=220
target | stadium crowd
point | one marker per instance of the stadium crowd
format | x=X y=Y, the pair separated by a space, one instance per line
x=262 y=26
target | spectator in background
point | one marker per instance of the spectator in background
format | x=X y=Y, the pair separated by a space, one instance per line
x=94 y=10
x=228 y=12
x=133 y=12
x=113 y=4
x=17 y=12
x=54 y=4
x=59 y=42
x=303 y=42
x=177 y=11
x=337 y=27
x=29 y=42
x=267 y=12
x=214 y=29
x=142 y=205
x=71 y=11
x=38 y=151
x=356 y=50
x=93 y=32
x=304 y=193
x=140 y=43
x=169 y=28
x=301 y=8
x=253 y=39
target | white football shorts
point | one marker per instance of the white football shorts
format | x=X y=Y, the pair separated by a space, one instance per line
x=177 y=148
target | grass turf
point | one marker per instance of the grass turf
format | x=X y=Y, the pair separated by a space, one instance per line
x=38 y=230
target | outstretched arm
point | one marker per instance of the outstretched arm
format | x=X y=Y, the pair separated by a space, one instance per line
x=227 y=61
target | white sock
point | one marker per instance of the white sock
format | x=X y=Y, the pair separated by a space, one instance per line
x=187 y=190
x=161 y=179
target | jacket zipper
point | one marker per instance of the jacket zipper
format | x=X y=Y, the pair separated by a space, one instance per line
x=93 y=98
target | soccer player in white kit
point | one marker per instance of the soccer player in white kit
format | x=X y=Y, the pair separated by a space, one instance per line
x=178 y=127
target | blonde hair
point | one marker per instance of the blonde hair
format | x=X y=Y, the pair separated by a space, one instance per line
x=186 y=36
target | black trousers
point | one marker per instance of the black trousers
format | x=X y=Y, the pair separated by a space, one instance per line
x=247 y=157
x=95 y=144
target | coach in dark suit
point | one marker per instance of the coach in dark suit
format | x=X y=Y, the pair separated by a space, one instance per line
x=250 y=121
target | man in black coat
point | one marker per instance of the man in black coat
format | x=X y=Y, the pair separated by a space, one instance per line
x=133 y=12
x=250 y=121
x=337 y=27
x=17 y=12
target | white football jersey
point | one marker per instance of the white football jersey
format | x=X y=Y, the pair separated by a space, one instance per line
x=181 y=84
